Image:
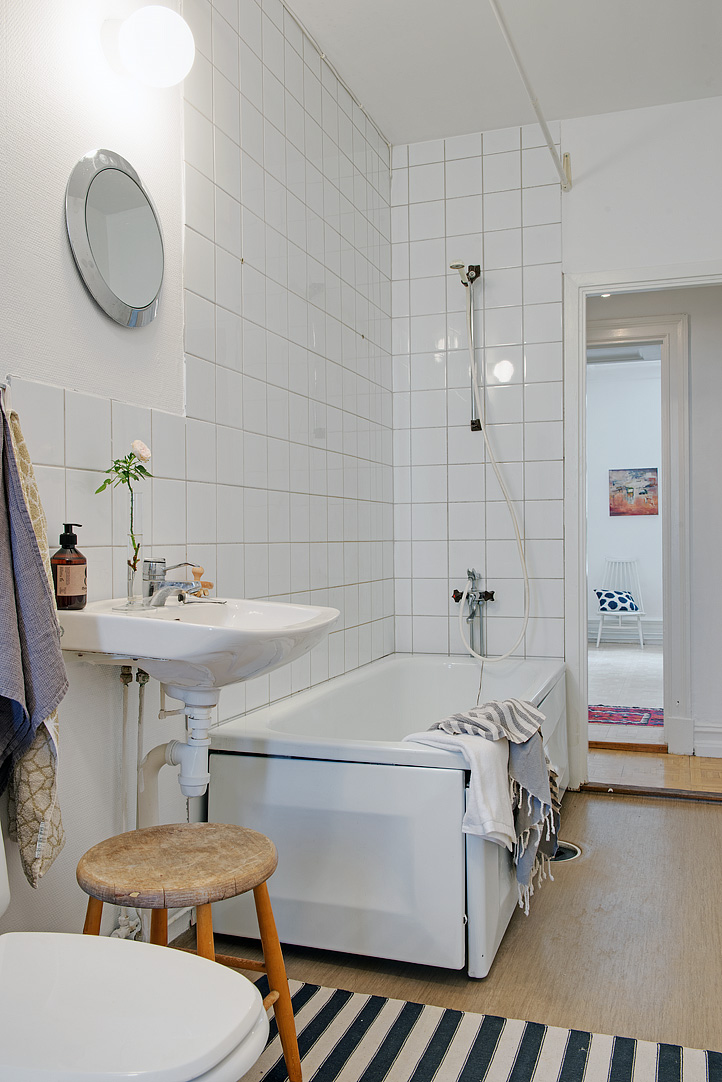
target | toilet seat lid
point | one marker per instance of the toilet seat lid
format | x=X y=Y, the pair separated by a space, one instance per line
x=77 y=1008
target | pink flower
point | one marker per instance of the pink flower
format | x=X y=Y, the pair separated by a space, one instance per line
x=140 y=450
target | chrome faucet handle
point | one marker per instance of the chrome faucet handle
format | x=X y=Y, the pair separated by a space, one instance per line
x=185 y=563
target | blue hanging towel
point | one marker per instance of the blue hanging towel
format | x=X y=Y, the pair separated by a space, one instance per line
x=33 y=680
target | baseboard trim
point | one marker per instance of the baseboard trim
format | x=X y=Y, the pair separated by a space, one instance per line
x=707 y=741
x=621 y=745
x=680 y=735
x=643 y=790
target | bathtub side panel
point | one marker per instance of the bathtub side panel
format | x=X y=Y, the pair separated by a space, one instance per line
x=371 y=858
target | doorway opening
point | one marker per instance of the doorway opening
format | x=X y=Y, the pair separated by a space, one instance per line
x=625 y=657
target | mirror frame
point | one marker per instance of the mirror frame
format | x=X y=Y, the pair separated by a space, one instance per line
x=76 y=194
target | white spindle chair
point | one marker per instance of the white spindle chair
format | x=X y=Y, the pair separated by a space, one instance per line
x=622 y=575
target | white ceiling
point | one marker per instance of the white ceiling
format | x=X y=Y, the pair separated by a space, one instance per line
x=424 y=69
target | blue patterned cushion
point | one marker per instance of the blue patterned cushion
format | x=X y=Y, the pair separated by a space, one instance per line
x=616 y=601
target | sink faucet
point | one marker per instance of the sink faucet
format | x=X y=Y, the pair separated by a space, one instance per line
x=157 y=588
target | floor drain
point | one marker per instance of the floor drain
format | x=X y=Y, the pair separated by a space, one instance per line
x=566 y=851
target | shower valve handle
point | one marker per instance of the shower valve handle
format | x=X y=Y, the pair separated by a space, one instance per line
x=457 y=595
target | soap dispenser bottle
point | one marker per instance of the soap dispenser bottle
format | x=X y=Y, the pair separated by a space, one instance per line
x=70 y=571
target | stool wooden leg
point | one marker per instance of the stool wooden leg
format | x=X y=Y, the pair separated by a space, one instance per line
x=159 y=927
x=92 y=917
x=204 y=933
x=277 y=981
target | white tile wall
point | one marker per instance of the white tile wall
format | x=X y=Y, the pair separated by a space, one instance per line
x=492 y=199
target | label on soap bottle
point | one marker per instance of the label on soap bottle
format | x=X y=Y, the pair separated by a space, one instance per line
x=72 y=580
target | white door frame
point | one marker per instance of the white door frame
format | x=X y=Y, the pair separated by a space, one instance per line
x=672 y=332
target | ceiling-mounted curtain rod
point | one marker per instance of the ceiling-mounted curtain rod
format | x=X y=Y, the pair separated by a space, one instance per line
x=563 y=167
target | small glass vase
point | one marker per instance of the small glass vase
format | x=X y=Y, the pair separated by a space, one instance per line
x=135 y=552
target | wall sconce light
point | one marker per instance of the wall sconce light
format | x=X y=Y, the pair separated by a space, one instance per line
x=155 y=45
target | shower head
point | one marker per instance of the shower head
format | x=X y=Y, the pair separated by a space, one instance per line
x=459 y=266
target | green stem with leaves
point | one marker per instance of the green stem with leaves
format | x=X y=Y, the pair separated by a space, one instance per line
x=123 y=472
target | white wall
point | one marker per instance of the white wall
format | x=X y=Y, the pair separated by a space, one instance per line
x=279 y=479
x=645 y=188
x=490 y=199
x=623 y=432
x=61 y=99
x=704 y=307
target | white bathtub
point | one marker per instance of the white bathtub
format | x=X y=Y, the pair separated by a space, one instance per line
x=372 y=859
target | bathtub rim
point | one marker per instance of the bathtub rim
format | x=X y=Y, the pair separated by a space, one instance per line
x=243 y=734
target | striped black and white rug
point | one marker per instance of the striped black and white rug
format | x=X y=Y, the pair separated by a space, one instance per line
x=349 y=1037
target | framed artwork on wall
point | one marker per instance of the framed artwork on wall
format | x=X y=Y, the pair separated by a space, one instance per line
x=633 y=492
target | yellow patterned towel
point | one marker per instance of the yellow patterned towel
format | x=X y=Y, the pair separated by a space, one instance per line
x=35 y=821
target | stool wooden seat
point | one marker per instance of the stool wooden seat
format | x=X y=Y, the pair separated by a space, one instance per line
x=194 y=864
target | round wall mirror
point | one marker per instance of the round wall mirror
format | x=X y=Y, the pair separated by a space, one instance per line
x=115 y=237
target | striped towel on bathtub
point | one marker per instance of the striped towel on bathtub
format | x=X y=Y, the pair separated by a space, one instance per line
x=530 y=801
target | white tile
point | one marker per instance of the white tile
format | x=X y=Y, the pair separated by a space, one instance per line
x=200 y=513
x=427 y=296
x=430 y=634
x=228 y=222
x=463 y=215
x=430 y=597
x=512 y=474
x=543 y=283
x=169 y=512
x=499 y=523
x=198 y=141
x=428 y=446
x=542 y=244
x=463 y=146
x=502 y=210
x=199 y=202
x=399 y=187
x=466 y=521
x=428 y=522
x=87 y=432
x=428 y=333
x=543 y=402
x=533 y=136
x=542 y=205
x=504 y=404
x=229 y=339
x=100 y=573
x=465 y=446
x=130 y=423
x=503 y=326
x=427 y=258
x=427 y=371
x=504 y=364
x=547 y=597
x=463 y=177
x=507 y=441
x=502 y=249
x=502 y=288
x=199 y=326
x=543 y=362
x=200 y=451
x=82 y=505
x=544 y=519
x=226 y=107
x=228 y=281
x=426 y=182
x=229 y=398
x=424 y=153
x=225 y=50
x=502 y=171
x=543 y=440
x=466 y=482
x=429 y=559
x=542 y=322
x=51 y=486
x=200 y=389
x=545 y=638
x=537 y=167
x=502 y=140
x=544 y=480
x=167 y=445
x=41 y=410
x=227 y=164
x=229 y=514
x=198 y=86
x=198 y=264
x=426 y=220
x=428 y=484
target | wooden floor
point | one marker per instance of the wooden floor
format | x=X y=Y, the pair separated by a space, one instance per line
x=655 y=771
x=627 y=940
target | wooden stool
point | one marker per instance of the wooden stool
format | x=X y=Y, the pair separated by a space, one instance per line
x=194 y=864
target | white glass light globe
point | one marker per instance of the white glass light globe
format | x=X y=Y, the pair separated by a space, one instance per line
x=156 y=46
x=503 y=371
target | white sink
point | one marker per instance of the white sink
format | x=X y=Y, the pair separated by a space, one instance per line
x=199 y=646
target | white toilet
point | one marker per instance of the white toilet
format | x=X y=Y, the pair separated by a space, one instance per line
x=77 y=1008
